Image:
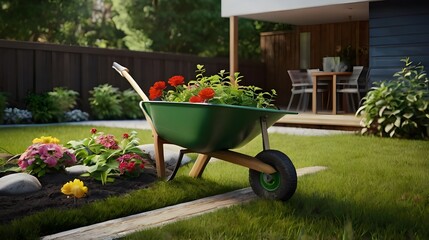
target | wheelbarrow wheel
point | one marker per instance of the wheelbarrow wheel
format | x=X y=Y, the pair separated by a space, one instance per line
x=280 y=185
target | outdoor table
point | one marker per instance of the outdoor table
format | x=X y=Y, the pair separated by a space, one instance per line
x=326 y=76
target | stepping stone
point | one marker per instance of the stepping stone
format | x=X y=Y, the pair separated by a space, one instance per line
x=77 y=169
x=19 y=183
x=171 y=153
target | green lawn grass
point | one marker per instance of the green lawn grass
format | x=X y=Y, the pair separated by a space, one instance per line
x=373 y=189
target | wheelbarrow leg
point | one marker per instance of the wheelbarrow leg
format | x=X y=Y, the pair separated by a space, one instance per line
x=264 y=133
x=159 y=155
x=199 y=166
x=178 y=163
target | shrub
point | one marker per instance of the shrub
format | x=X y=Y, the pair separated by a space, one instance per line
x=44 y=108
x=16 y=116
x=105 y=102
x=2 y=106
x=65 y=98
x=75 y=115
x=398 y=108
x=130 y=105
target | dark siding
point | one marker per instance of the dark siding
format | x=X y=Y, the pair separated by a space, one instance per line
x=397 y=29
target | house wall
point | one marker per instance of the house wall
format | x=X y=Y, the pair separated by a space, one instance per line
x=280 y=51
x=397 y=29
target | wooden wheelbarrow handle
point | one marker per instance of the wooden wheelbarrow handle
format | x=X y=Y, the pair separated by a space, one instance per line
x=158 y=144
x=123 y=71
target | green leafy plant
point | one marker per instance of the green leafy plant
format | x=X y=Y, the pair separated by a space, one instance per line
x=3 y=104
x=107 y=158
x=215 y=89
x=65 y=98
x=43 y=107
x=130 y=105
x=105 y=102
x=398 y=108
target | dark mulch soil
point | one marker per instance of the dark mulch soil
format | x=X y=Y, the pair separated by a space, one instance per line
x=50 y=195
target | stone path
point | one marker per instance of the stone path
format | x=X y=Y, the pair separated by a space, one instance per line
x=120 y=227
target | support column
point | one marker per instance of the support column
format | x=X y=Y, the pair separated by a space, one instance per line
x=233 y=46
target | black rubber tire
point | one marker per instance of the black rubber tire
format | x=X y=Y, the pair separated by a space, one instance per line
x=278 y=186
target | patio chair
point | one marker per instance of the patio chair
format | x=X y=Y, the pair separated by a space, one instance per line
x=302 y=85
x=299 y=87
x=350 y=86
x=322 y=87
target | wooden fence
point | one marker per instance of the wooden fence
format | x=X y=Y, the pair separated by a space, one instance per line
x=27 y=67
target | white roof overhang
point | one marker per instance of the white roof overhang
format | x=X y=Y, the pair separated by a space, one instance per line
x=298 y=12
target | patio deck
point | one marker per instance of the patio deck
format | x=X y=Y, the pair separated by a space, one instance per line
x=321 y=121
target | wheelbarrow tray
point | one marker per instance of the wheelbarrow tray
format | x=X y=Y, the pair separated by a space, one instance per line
x=206 y=128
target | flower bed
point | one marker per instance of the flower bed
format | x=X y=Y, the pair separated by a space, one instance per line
x=115 y=168
x=50 y=196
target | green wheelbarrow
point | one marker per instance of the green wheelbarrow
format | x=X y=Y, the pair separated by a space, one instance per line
x=211 y=130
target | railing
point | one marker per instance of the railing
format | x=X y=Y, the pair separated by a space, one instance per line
x=37 y=67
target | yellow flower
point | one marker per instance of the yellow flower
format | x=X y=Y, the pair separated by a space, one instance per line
x=48 y=139
x=75 y=188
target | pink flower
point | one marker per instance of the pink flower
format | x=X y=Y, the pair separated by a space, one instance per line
x=31 y=160
x=108 y=141
x=48 y=150
x=23 y=164
x=40 y=157
x=51 y=161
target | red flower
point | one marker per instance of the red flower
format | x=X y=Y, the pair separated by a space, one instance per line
x=196 y=99
x=125 y=136
x=156 y=90
x=154 y=93
x=130 y=166
x=206 y=93
x=93 y=130
x=176 y=80
x=159 y=85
